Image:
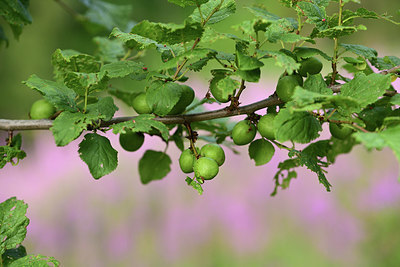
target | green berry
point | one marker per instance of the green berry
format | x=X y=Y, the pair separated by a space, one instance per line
x=310 y=66
x=213 y=151
x=41 y=109
x=285 y=87
x=243 y=132
x=186 y=161
x=339 y=131
x=205 y=168
x=266 y=127
x=140 y=105
x=131 y=141
x=185 y=100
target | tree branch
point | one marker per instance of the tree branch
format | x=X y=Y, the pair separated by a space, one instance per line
x=20 y=125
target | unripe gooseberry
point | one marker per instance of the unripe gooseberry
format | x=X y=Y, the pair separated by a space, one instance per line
x=310 y=66
x=186 y=161
x=339 y=131
x=205 y=168
x=213 y=151
x=41 y=109
x=131 y=141
x=266 y=127
x=285 y=87
x=185 y=100
x=243 y=132
x=140 y=105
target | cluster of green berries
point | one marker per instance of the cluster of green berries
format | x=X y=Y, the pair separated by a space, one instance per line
x=206 y=164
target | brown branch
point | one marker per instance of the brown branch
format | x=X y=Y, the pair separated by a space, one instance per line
x=20 y=125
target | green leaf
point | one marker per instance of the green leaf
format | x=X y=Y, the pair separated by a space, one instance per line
x=395 y=100
x=360 y=50
x=366 y=89
x=154 y=165
x=307 y=52
x=282 y=30
x=13 y=254
x=16 y=14
x=143 y=123
x=288 y=166
x=122 y=69
x=309 y=158
x=388 y=138
x=108 y=50
x=315 y=14
x=249 y=75
x=132 y=40
x=192 y=56
x=281 y=60
x=261 y=12
x=96 y=151
x=13 y=223
x=316 y=83
x=104 y=15
x=261 y=151
x=66 y=61
x=383 y=63
x=337 y=31
x=162 y=96
x=224 y=86
x=246 y=62
x=68 y=126
x=35 y=260
x=196 y=185
x=214 y=11
x=80 y=82
x=104 y=109
x=62 y=97
x=300 y=127
x=12 y=152
x=185 y=3
x=168 y=33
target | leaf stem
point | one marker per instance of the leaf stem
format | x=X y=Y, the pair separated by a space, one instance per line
x=86 y=98
x=192 y=138
x=336 y=46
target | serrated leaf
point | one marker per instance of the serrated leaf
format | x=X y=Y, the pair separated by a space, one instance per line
x=13 y=223
x=191 y=56
x=104 y=15
x=143 y=123
x=83 y=83
x=224 y=10
x=288 y=166
x=249 y=75
x=66 y=61
x=307 y=52
x=316 y=83
x=395 y=100
x=96 y=151
x=338 y=31
x=300 y=127
x=162 y=96
x=168 y=33
x=387 y=62
x=104 y=109
x=68 y=126
x=196 y=185
x=281 y=60
x=122 y=69
x=132 y=40
x=261 y=12
x=12 y=152
x=35 y=260
x=108 y=50
x=16 y=14
x=282 y=30
x=149 y=171
x=13 y=254
x=224 y=86
x=388 y=138
x=185 y=3
x=246 y=62
x=261 y=151
x=62 y=97
x=361 y=50
x=366 y=88
x=315 y=14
